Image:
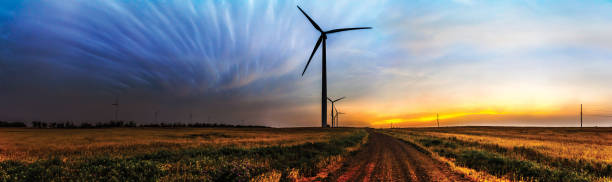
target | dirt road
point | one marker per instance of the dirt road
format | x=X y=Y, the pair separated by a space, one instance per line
x=385 y=158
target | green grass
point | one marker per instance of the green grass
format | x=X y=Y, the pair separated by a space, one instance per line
x=202 y=164
x=595 y=168
x=518 y=163
x=500 y=166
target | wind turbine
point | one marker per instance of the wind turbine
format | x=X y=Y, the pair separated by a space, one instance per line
x=332 y=110
x=322 y=39
x=335 y=117
x=116 y=105
x=338 y=117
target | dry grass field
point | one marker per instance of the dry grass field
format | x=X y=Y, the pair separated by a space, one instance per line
x=143 y=154
x=26 y=144
x=517 y=153
x=306 y=154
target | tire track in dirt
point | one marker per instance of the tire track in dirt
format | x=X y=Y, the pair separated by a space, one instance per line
x=385 y=158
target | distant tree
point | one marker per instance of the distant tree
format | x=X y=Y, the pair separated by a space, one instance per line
x=86 y=125
x=12 y=124
x=109 y=124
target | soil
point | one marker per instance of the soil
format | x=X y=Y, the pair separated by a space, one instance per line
x=385 y=158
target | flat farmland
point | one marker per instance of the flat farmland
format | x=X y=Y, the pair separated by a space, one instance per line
x=144 y=154
x=306 y=154
x=519 y=153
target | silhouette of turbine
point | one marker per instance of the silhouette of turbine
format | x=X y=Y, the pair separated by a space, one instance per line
x=332 y=110
x=322 y=40
x=116 y=105
x=338 y=118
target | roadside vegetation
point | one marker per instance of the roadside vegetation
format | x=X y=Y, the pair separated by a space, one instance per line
x=520 y=154
x=259 y=154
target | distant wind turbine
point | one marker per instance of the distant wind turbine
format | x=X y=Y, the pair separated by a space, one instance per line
x=322 y=39
x=338 y=118
x=116 y=105
x=335 y=117
x=332 y=110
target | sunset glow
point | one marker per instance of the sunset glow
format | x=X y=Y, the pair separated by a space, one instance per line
x=432 y=118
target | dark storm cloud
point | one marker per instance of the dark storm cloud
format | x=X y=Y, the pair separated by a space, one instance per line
x=198 y=55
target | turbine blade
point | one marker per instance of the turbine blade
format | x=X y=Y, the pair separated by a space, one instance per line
x=339 y=99
x=347 y=29
x=312 y=54
x=329 y=99
x=311 y=21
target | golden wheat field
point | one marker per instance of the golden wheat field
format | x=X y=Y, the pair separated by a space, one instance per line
x=27 y=144
x=170 y=154
x=520 y=153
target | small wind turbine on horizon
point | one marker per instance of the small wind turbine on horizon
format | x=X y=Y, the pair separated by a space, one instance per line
x=338 y=118
x=334 y=108
x=322 y=40
x=116 y=105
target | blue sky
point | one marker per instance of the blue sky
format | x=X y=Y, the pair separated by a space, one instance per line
x=533 y=62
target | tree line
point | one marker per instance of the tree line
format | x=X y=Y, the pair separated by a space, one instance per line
x=121 y=124
x=12 y=124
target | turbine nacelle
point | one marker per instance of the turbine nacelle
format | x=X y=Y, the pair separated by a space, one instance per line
x=335 y=100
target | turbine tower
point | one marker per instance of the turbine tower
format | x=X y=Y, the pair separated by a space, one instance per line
x=335 y=117
x=116 y=105
x=322 y=39
x=333 y=107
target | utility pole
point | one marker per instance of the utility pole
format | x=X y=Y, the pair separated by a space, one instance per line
x=438 y=119
x=191 y=117
x=580 y=115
